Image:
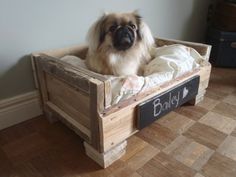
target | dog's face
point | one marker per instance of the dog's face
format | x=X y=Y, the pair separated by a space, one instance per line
x=122 y=30
x=118 y=44
x=119 y=31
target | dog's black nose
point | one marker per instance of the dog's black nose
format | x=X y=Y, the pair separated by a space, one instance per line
x=124 y=38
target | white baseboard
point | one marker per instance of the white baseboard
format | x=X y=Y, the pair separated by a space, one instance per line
x=19 y=108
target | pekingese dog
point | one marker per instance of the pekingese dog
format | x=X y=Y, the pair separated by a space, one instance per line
x=119 y=44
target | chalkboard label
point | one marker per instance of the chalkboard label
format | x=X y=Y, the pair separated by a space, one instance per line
x=159 y=105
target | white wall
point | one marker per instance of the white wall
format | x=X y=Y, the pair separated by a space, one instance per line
x=31 y=25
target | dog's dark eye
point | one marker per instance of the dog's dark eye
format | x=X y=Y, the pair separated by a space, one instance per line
x=133 y=26
x=112 y=28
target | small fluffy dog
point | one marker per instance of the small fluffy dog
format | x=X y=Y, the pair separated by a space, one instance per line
x=119 y=44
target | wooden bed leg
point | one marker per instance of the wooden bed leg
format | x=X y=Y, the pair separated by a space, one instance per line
x=49 y=115
x=106 y=158
x=199 y=97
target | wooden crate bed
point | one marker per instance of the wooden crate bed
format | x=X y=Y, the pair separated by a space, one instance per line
x=81 y=99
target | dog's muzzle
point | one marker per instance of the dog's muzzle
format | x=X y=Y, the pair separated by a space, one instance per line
x=123 y=38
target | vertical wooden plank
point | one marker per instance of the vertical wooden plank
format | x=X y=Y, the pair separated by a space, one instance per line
x=107 y=93
x=96 y=107
x=33 y=64
x=204 y=81
x=42 y=82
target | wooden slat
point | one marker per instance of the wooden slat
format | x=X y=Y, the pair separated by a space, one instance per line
x=203 y=72
x=96 y=106
x=72 y=77
x=107 y=94
x=58 y=89
x=81 y=130
x=34 y=70
x=78 y=50
x=143 y=96
x=204 y=81
x=42 y=82
x=204 y=76
x=79 y=70
x=118 y=127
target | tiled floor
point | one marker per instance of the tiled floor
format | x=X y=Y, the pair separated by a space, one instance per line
x=192 y=141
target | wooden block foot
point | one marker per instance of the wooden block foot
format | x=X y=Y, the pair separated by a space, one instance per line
x=106 y=158
x=50 y=116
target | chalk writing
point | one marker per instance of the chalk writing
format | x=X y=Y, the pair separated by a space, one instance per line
x=158 y=107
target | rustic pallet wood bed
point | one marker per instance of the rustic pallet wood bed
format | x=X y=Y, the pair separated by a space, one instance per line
x=81 y=99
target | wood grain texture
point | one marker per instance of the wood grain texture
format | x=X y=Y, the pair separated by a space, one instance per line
x=70 y=100
x=234 y=133
x=40 y=149
x=228 y=147
x=226 y=109
x=81 y=130
x=208 y=103
x=192 y=112
x=105 y=159
x=176 y=122
x=134 y=146
x=219 y=165
x=25 y=148
x=215 y=94
x=162 y=165
x=41 y=80
x=65 y=72
x=138 y=153
x=219 y=122
x=205 y=135
x=189 y=152
x=82 y=98
x=157 y=135
x=96 y=105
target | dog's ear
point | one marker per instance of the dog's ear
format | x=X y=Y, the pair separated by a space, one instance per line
x=146 y=35
x=136 y=14
x=138 y=19
x=96 y=33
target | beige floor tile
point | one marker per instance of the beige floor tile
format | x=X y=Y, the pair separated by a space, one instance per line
x=228 y=147
x=215 y=94
x=226 y=109
x=199 y=175
x=163 y=165
x=157 y=135
x=176 y=122
x=219 y=122
x=230 y=99
x=142 y=157
x=191 y=112
x=208 y=103
x=188 y=152
x=219 y=166
x=205 y=135
x=234 y=133
x=135 y=144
